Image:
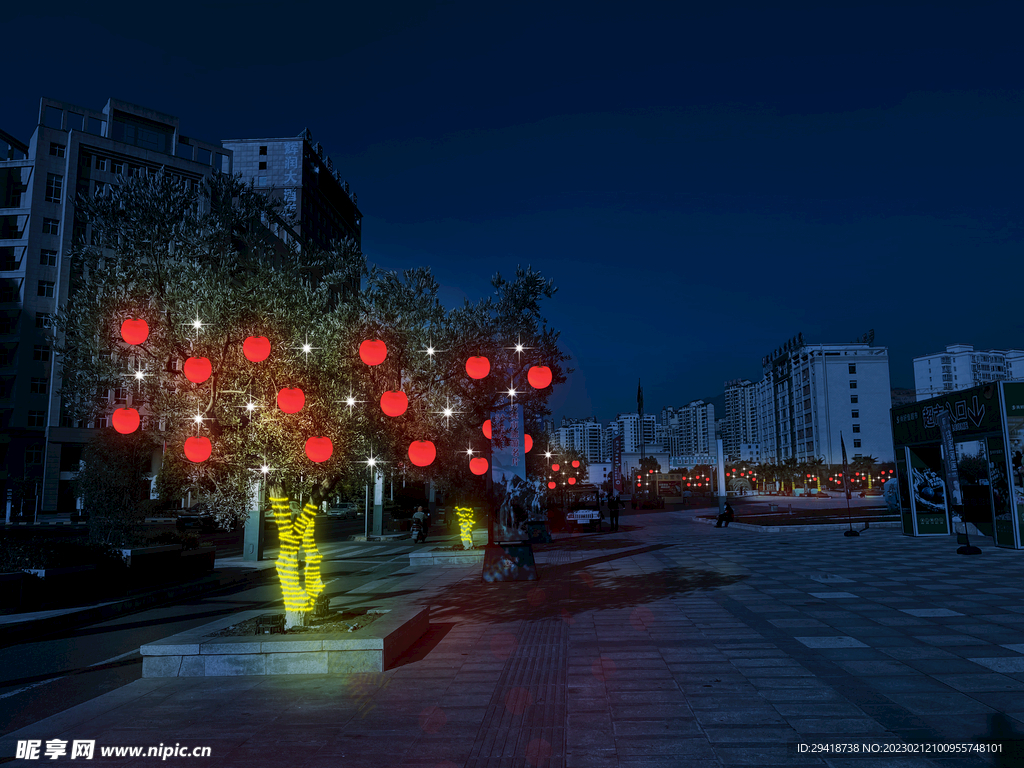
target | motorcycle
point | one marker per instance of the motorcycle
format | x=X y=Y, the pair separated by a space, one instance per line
x=416 y=528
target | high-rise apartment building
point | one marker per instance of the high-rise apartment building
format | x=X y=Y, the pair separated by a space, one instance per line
x=813 y=393
x=740 y=424
x=73 y=151
x=690 y=429
x=961 y=367
x=629 y=428
x=297 y=172
x=583 y=435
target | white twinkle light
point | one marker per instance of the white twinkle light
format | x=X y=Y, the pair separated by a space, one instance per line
x=350 y=401
x=264 y=469
x=139 y=375
x=197 y=323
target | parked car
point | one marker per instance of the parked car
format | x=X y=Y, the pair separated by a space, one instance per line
x=344 y=510
x=197 y=516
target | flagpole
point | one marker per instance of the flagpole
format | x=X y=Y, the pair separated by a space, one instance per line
x=846 y=487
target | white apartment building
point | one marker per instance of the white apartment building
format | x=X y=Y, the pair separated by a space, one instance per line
x=739 y=433
x=629 y=428
x=583 y=435
x=813 y=393
x=961 y=367
x=690 y=429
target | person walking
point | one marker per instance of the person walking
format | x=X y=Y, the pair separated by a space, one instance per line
x=613 y=513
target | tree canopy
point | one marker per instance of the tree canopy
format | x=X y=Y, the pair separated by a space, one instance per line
x=206 y=267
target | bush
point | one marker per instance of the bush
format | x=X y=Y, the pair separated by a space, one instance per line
x=37 y=553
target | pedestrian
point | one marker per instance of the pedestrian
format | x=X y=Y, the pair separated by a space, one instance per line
x=726 y=516
x=420 y=517
x=613 y=512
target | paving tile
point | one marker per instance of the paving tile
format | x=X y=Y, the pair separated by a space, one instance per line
x=841 y=641
x=939 y=703
x=1002 y=664
x=836 y=725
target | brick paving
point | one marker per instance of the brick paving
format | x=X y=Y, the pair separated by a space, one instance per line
x=666 y=644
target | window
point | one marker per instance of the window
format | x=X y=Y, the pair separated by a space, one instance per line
x=43 y=320
x=34 y=454
x=51 y=227
x=263 y=165
x=261 y=181
x=45 y=289
x=263 y=150
x=853 y=368
x=37 y=418
x=120 y=395
x=47 y=258
x=41 y=352
x=57 y=150
x=54 y=187
x=856 y=427
x=855 y=414
x=853 y=399
x=38 y=386
x=101 y=163
x=853 y=385
x=9 y=291
x=856 y=443
x=116 y=167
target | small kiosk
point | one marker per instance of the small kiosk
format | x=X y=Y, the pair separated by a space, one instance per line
x=987 y=424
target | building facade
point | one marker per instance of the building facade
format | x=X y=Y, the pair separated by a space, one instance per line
x=690 y=429
x=73 y=151
x=582 y=435
x=740 y=425
x=813 y=395
x=962 y=367
x=628 y=426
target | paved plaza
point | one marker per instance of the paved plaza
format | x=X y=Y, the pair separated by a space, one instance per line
x=667 y=644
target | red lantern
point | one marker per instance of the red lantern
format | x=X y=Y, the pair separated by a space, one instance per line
x=487 y=429
x=319 y=449
x=125 y=420
x=572 y=481
x=422 y=453
x=539 y=376
x=291 y=400
x=478 y=466
x=198 y=369
x=394 y=403
x=198 y=449
x=527 y=443
x=554 y=467
x=373 y=352
x=256 y=349
x=552 y=484
x=478 y=367
x=134 y=331
x=575 y=465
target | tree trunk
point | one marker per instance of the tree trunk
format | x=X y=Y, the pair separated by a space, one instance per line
x=300 y=590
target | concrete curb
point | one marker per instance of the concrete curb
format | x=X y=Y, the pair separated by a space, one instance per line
x=799 y=528
x=29 y=629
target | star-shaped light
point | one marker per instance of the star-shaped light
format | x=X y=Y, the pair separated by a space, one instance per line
x=371 y=462
x=470 y=452
x=447 y=412
x=199 y=418
x=350 y=401
x=305 y=347
x=430 y=350
x=511 y=392
x=519 y=348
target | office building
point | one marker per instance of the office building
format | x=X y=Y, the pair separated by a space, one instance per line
x=961 y=367
x=813 y=394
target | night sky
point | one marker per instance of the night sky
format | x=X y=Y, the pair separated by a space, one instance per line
x=701 y=180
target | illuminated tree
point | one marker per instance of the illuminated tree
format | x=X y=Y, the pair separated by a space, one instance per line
x=209 y=273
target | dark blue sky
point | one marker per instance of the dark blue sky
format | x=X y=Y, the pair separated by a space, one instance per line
x=702 y=181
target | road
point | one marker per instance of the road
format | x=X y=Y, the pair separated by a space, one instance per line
x=46 y=676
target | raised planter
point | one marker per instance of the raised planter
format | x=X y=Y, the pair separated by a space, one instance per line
x=429 y=555
x=195 y=562
x=370 y=649
x=802 y=528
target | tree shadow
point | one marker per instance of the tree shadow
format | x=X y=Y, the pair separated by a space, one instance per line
x=587 y=543
x=566 y=590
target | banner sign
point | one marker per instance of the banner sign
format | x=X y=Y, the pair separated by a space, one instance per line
x=971 y=411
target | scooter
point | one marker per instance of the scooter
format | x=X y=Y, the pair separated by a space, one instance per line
x=416 y=528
